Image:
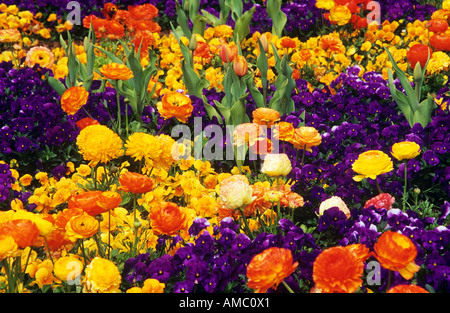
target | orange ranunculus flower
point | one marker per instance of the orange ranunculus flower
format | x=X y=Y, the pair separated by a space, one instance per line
x=143 y=38
x=24 y=231
x=418 y=53
x=85 y=122
x=306 y=137
x=81 y=226
x=167 y=218
x=269 y=268
x=407 y=289
x=396 y=252
x=10 y=35
x=331 y=43
x=246 y=133
x=135 y=182
x=265 y=116
x=228 y=52
x=338 y=270
x=287 y=42
x=175 y=104
x=116 y=71
x=340 y=15
x=73 y=99
x=284 y=131
x=88 y=202
x=109 y=200
x=240 y=66
x=360 y=251
x=114 y=29
x=143 y=12
x=440 y=42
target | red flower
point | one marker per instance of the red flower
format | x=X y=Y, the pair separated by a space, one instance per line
x=418 y=53
x=85 y=122
x=135 y=182
x=382 y=201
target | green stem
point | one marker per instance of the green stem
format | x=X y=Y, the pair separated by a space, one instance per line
x=278 y=202
x=303 y=155
x=378 y=187
x=389 y=280
x=48 y=250
x=405 y=187
x=119 y=113
x=247 y=227
x=109 y=235
x=287 y=287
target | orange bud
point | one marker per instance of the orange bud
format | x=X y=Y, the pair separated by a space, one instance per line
x=240 y=65
x=228 y=52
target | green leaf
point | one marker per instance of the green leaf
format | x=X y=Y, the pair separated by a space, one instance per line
x=224 y=110
x=211 y=111
x=211 y=19
x=242 y=29
x=400 y=99
x=278 y=17
x=182 y=21
x=56 y=85
x=262 y=64
x=423 y=114
x=238 y=114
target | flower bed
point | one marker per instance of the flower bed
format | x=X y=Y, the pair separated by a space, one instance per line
x=268 y=147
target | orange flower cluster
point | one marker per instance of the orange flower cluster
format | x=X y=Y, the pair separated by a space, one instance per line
x=95 y=202
x=137 y=21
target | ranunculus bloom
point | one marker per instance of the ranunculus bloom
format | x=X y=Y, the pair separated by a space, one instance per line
x=102 y=276
x=340 y=15
x=81 y=226
x=396 y=252
x=325 y=4
x=24 y=231
x=73 y=99
x=98 y=143
x=144 y=146
x=145 y=11
x=269 y=268
x=95 y=202
x=306 y=137
x=240 y=65
x=175 y=104
x=276 y=164
x=381 y=201
x=418 y=53
x=167 y=218
x=338 y=270
x=283 y=131
x=68 y=268
x=407 y=289
x=246 y=133
x=9 y=35
x=331 y=43
x=116 y=71
x=85 y=122
x=334 y=201
x=440 y=42
x=135 y=182
x=152 y=285
x=228 y=52
x=372 y=163
x=40 y=55
x=405 y=150
x=265 y=116
x=235 y=192
x=437 y=26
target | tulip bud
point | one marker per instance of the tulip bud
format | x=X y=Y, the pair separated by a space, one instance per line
x=240 y=65
x=264 y=43
x=193 y=42
x=228 y=52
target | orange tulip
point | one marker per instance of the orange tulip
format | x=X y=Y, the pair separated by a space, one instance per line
x=396 y=252
x=167 y=218
x=240 y=66
x=269 y=268
x=135 y=182
x=437 y=26
x=228 y=52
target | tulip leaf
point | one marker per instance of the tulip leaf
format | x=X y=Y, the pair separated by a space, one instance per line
x=242 y=29
x=56 y=85
x=423 y=114
x=278 y=17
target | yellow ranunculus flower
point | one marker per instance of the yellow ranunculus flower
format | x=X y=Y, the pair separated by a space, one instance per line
x=405 y=150
x=68 y=268
x=276 y=164
x=102 y=276
x=372 y=163
x=340 y=15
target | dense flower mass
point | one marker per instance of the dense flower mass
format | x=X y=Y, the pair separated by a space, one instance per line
x=254 y=146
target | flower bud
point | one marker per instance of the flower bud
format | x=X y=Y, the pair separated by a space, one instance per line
x=240 y=66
